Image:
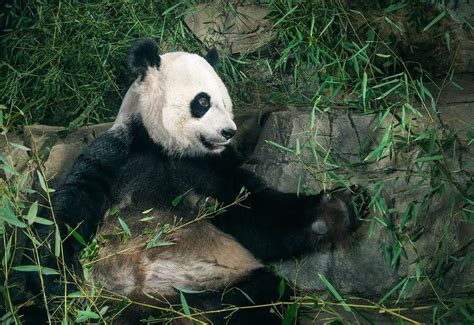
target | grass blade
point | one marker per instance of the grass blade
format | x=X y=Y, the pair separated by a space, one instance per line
x=364 y=89
x=434 y=21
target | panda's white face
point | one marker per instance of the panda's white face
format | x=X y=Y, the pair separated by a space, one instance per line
x=184 y=105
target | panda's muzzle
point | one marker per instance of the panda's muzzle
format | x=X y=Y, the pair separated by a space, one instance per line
x=228 y=133
x=213 y=145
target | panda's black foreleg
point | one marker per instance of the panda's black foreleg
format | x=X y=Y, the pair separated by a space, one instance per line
x=278 y=225
x=80 y=204
x=84 y=197
x=266 y=239
x=249 y=301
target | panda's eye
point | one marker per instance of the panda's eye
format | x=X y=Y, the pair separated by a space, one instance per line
x=200 y=104
x=204 y=102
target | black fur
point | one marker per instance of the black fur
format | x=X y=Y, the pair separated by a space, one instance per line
x=142 y=55
x=197 y=109
x=276 y=226
x=212 y=57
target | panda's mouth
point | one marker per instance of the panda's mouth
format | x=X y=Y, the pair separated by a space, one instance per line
x=212 y=145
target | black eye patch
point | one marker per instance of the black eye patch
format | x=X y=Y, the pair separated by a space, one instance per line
x=200 y=105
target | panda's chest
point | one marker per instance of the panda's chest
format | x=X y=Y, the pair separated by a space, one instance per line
x=150 y=178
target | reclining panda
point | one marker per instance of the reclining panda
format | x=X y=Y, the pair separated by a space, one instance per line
x=172 y=136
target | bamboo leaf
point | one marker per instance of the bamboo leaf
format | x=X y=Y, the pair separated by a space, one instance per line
x=7 y=253
x=43 y=182
x=418 y=271
x=281 y=287
x=19 y=146
x=76 y=235
x=32 y=212
x=172 y=8
x=431 y=158
x=85 y=315
x=447 y=39
x=388 y=92
x=34 y=268
x=57 y=242
x=125 y=228
x=43 y=221
x=391 y=291
x=396 y=252
x=334 y=292
x=103 y=310
x=156 y=241
x=147 y=219
x=364 y=89
x=392 y=23
x=178 y=199
x=290 y=315
x=279 y=146
x=184 y=303
x=9 y=170
x=312 y=118
x=10 y=218
x=185 y=290
x=284 y=17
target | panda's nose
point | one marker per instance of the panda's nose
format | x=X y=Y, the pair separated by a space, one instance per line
x=228 y=133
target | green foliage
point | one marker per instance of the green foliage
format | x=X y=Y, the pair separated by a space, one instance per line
x=63 y=63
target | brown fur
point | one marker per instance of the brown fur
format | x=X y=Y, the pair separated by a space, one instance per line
x=202 y=258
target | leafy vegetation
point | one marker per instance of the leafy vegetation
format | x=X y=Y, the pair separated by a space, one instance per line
x=62 y=64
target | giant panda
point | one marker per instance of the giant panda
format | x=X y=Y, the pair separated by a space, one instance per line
x=173 y=138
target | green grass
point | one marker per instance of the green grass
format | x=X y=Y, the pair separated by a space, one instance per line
x=63 y=64
x=64 y=61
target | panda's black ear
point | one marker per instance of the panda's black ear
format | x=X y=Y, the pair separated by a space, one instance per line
x=212 y=57
x=143 y=54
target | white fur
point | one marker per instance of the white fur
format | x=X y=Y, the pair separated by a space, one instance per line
x=163 y=100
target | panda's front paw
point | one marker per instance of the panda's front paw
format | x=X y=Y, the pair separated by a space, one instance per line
x=339 y=211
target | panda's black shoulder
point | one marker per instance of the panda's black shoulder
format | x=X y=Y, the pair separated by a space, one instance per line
x=140 y=138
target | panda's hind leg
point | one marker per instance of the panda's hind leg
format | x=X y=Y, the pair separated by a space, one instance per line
x=255 y=293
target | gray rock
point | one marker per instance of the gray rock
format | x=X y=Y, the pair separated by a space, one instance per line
x=241 y=31
x=462 y=12
x=357 y=267
x=460 y=92
x=58 y=149
x=456 y=104
x=460 y=117
x=456 y=108
x=12 y=151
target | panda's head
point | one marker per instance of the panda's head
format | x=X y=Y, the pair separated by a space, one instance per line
x=181 y=101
